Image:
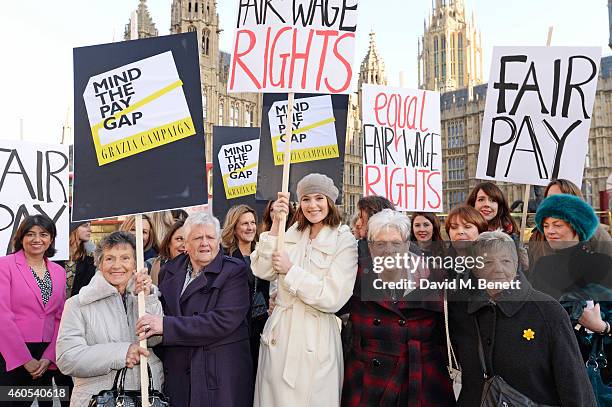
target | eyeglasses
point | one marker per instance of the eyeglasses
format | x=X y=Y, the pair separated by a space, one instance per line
x=396 y=245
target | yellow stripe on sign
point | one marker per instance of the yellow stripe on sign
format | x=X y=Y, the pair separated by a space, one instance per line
x=145 y=140
x=242 y=190
x=248 y=167
x=306 y=128
x=142 y=102
x=309 y=154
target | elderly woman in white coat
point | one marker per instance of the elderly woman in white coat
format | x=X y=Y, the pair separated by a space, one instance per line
x=300 y=358
x=97 y=334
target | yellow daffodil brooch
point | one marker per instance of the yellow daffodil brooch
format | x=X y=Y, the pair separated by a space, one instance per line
x=528 y=334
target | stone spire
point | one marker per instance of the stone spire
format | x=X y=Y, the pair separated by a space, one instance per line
x=146 y=26
x=373 y=67
x=610 y=21
x=450 y=52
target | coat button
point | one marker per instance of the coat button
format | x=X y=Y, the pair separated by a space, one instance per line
x=273 y=342
x=376 y=362
x=401 y=322
x=188 y=371
x=195 y=313
x=376 y=321
x=489 y=341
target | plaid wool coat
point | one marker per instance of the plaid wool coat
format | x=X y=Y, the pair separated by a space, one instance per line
x=397 y=353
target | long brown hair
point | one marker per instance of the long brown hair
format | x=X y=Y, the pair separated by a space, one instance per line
x=164 y=247
x=436 y=235
x=502 y=220
x=130 y=222
x=266 y=219
x=332 y=219
x=78 y=246
x=229 y=241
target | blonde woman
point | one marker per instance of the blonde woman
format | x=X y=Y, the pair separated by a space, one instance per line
x=238 y=239
x=149 y=237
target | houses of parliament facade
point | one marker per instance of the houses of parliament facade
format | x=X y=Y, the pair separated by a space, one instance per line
x=450 y=60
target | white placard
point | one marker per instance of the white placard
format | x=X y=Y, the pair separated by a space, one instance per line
x=33 y=181
x=538 y=114
x=303 y=46
x=314 y=130
x=238 y=163
x=137 y=107
x=402 y=156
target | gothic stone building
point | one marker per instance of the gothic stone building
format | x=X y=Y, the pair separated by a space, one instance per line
x=219 y=108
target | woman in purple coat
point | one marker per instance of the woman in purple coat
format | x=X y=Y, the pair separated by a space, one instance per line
x=205 y=295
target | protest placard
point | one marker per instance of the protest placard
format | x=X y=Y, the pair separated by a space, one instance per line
x=319 y=134
x=137 y=107
x=33 y=181
x=402 y=158
x=151 y=153
x=293 y=46
x=314 y=130
x=538 y=114
x=236 y=155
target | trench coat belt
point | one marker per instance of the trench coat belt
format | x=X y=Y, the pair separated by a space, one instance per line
x=295 y=344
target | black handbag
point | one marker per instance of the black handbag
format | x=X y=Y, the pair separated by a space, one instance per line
x=119 y=397
x=496 y=391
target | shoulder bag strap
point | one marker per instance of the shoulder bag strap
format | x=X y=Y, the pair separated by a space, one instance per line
x=452 y=360
x=481 y=356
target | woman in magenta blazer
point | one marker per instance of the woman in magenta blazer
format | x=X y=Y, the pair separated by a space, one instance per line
x=32 y=295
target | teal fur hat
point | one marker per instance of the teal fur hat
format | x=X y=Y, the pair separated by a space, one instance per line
x=579 y=214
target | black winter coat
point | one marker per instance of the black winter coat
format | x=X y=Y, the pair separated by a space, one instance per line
x=547 y=368
x=84 y=272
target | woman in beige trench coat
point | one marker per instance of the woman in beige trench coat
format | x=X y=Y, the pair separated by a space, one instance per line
x=300 y=357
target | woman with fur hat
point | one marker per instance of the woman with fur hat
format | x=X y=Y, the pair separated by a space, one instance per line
x=300 y=357
x=574 y=274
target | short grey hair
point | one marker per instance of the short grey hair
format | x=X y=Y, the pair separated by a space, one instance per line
x=495 y=240
x=117 y=238
x=386 y=219
x=202 y=219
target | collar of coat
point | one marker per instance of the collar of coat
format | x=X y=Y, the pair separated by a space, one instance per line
x=326 y=241
x=182 y=259
x=99 y=289
x=509 y=301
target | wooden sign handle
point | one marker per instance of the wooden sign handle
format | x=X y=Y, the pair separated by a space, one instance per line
x=286 y=167
x=144 y=374
x=527 y=192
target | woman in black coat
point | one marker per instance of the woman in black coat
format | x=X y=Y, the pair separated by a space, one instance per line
x=574 y=274
x=238 y=239
x=80 y=268
x=526 y=335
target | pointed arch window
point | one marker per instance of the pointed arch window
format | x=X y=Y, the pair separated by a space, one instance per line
x=196 y=6
x=443 y=59
x=206 y=42
x=192 y=28
x=189 y=7
x=436 y=68
x=460 y=58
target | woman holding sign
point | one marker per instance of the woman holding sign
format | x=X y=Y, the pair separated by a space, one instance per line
x=300 y=358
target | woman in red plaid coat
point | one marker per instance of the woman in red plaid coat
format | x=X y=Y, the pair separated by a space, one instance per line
x=397 y=350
